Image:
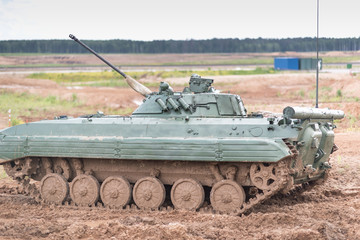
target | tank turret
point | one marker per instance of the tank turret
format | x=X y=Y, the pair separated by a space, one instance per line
x=197 y=100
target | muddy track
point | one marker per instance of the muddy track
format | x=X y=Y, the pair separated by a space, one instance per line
x=281 y=217
x=32 y=189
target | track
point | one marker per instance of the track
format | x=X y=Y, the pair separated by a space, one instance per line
x=37 y=194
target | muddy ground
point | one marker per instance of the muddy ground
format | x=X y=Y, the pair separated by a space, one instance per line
x=328 y=211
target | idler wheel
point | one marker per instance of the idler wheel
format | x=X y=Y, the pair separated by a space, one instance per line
x=84 y=190
x=187 y=194
x=54 y=188
x=115 y=192
x=12 y=169
x=264 y=176
x=227 y=196
x=149 y=193
x=20 y=168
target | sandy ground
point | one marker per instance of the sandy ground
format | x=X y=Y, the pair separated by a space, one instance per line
x=328 y=211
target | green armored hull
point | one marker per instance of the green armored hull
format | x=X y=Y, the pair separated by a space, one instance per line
x=200 y=139
x=188 y=146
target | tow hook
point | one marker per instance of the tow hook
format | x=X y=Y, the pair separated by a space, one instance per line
x=309 y=169
x=325 y=165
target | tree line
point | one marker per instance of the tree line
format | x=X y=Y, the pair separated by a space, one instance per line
x=230 y=45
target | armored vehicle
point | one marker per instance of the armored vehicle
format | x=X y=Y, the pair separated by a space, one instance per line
x=176 y=149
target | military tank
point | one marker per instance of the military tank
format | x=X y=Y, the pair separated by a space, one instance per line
x=176 y=149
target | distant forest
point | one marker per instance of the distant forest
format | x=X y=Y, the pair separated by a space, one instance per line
x=182 y=46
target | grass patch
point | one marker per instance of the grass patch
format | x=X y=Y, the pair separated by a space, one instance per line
x=48 y=65
x=25 y=106
x=301 y=93
x=344 y=59
x=339 y=93
x=353 y=120
x=77 y=77
x=326 y=94
x=326 y=89
x=112 y=78
x=16 y=121
x=32 y=54
x=209 y=72
x=2 y=172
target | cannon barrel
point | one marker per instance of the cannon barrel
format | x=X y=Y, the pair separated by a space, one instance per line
x=313 y=113
x=138 y=87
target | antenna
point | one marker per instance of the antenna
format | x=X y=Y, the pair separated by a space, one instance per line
x=317 y=57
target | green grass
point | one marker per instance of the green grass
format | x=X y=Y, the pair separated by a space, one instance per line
x=40 y=54
x=113 y=79
x=49 y=65
x=344 y=59
x=339 y=93
x=353 y=119
x=26 y=54
x=209 y=72
x=26 y=106
x=302 y=93
x=2 y=173
x=96 y=79
x=326 y=88
x=325 y=95
x=76 y=77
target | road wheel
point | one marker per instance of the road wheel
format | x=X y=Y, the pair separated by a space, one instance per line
x=187 y=194
x=115 y=192
x=84 y=190
x=227 y=196
x=149 y=193
x=54 y=188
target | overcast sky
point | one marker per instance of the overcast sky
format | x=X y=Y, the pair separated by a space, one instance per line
x=185 y=19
